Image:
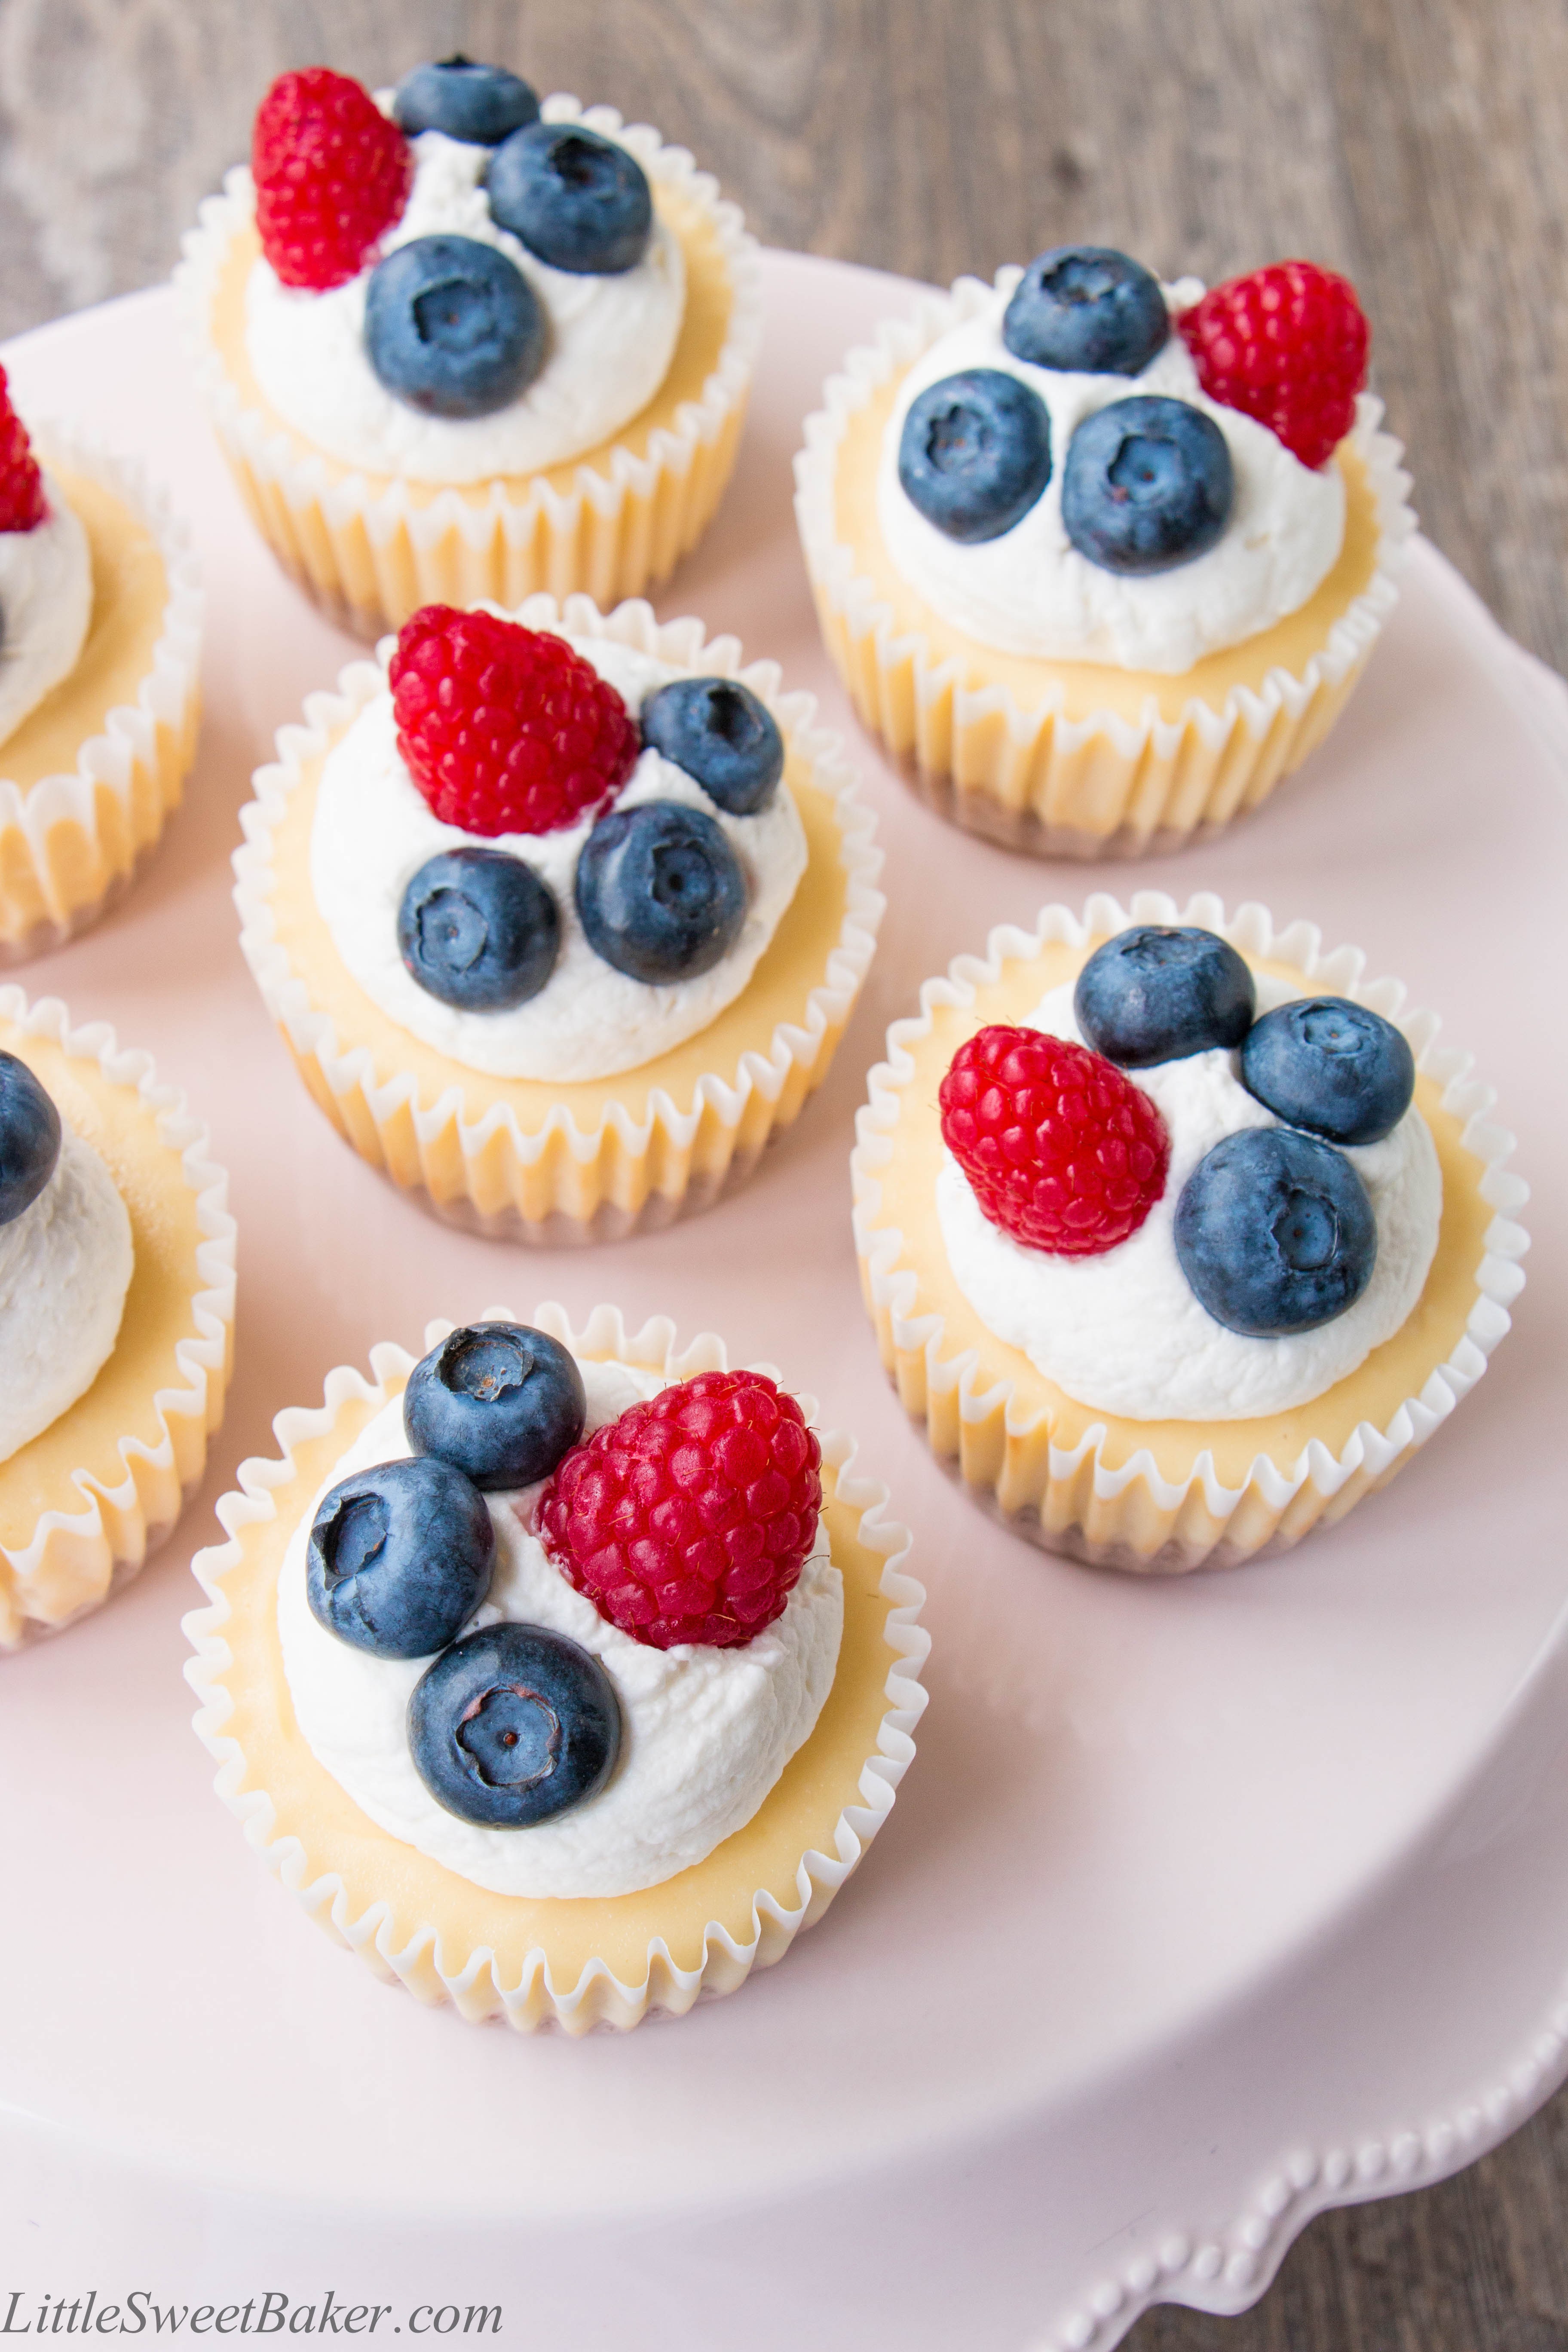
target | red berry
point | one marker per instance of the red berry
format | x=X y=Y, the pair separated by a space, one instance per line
x=506 y=730
x=1286 y=345
x=22 y=502
x=690 y=1517
x=331 y=176
x=1062 y=1150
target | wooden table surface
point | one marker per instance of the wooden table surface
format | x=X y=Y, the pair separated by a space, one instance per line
x=1419 y=146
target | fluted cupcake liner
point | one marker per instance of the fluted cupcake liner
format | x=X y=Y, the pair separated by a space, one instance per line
x=70 y=841
x=1166 y=1496
x=520 y=1159
x=573 y=1964
x=370 y=549
x=85 y=1501
x=1023 y=767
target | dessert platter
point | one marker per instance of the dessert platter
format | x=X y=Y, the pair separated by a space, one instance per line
x=1210 y=1898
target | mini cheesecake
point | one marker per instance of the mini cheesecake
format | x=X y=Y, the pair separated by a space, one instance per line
x=567 y=1158
x=370 y=544
x=1086 y=753
x=1148 y=1493
x=571 y=1962
x=93 y=768
x=84 y=1502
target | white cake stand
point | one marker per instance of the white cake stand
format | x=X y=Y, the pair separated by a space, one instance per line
x=1205 y=1905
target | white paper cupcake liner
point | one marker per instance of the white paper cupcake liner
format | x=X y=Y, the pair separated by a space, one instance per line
x=490 y=1979
x=99 y=1537
x=1068 y=1498
x=370 y=549
x=71 y=843
x=1036 y=778
x=553 y=1181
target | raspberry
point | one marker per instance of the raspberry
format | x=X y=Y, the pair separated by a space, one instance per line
x=22 y=504
x=1062 y=1151
x=690 y=1517
x=1286 y=345
x=331 y=175
x=506 y=730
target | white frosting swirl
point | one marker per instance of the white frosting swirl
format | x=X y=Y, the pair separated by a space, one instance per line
x=705 y=1733
x=1030 y=592
x=610 y=344
x=1124 y=1332
x=45 y=606
x=65 y=1269
x=373 y=830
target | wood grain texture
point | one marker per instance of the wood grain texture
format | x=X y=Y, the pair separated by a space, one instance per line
x=1421 y=145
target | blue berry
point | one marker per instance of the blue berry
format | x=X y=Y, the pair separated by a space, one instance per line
x=1148 y=484
x=719 y=733
x=400 y=1558
x=29 y=1138
x=975 y=453
x=451 y=326
x=578 y=200
x=1089 y=309
x=1156 y=993
x=500 y=1401
x=478 y=929
x=1330 y=1066
x=1275 y=1232
x=480 y=104
x=513 y=1725
x=661 y=892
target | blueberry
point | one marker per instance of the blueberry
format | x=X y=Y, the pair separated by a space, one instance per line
x=480 y=104
x=1336 y=1068
x=513 y=1725
x=578 y=200
x=1275 y=1232
x=29 y=1138
x=1155 y=994
x=1088 y=307
x=400 y=1557
x=719 y=733
x=659 y=892
x=500 y=1401
x=478 y=929
x=1148 y=484
x=975 y=453
x=451 y=326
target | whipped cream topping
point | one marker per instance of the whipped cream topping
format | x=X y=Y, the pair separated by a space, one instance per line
x=705 y=1732
x=45 y=604
x=610 y=344
x=1030 y=592
x=1124 y=1332
x=65 y=1269
x=373 y=830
